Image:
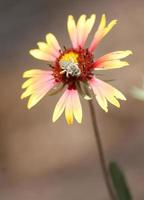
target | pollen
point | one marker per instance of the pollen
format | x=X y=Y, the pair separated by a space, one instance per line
x=70 y=56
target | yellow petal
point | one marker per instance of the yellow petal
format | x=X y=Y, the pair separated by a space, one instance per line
x=72 y=30
x=69 y=110
x=71 y=104
x=113 y=101
x=101 y=99
x=25 y=94
x=60 y=106
x=36 y=97
x=88 y=27
x=105 y=92
x=111 y=65
x=81 y=29
x=35 y=73
x=101 y=32
x=48 y=49
x=36 y=53
x=29 y=82
x=52 y=42
x=76 y=105
x=102 y=23
x=37 y=86
x=110 y=26
x=116 y=55
x=42 y=46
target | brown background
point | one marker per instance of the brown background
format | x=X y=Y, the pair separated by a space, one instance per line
x=41 y=160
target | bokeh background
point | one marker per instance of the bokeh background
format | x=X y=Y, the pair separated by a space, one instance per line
x=42 y=160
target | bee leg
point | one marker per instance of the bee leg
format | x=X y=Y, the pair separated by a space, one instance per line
x=63 y=71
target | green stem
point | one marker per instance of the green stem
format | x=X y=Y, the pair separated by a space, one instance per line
x=101 y=152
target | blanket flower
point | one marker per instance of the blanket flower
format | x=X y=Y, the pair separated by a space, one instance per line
x=74 y=70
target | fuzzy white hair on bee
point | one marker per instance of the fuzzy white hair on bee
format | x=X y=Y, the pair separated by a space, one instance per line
x=70 y=68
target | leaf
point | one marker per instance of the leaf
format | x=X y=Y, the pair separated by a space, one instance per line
x=119 y=182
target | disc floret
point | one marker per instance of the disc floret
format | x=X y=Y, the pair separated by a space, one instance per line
x=73 y=66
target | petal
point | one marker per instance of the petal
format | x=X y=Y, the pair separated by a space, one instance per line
x=37 y=86
x=77 y=109
x=84 y=27
x=69 y=109
x=72 y=30
x=47 y=51
x=99 y=96
x=101 y=32
x=35 y=81
x=80 y=29
x=88 y=27
x=35 y=73
x=110 y=65
x=60 y=106
x=71 y=104
x=36 y=53
x=79 y=32
x=42 y=46
x=53 y=44
x=110 y=26
x=37 y=95
x=112 y=60
x=105 y=92
x=116 y=55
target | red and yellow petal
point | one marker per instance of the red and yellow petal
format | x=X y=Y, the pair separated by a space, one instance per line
x=72 y=30
x=47 y=51
x=84 y=27
x=112 y=64
x=60 y=106
x=69 y=109
x=105 y=93
x=88 y=27
x=53 y=44
x=37 y=86
x=77 y=109
x=79 y=32
x=112 y=60
x=36 y=73
x=70 y=103
x=80 y=29
x=36 y=53
x=116 y=55
x=101 y=32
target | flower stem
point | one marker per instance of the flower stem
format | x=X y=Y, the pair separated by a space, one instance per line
x=101 y=152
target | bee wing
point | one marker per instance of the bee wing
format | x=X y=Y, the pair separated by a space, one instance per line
x=64 y=63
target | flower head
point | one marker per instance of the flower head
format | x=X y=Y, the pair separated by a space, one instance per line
x=74 y=69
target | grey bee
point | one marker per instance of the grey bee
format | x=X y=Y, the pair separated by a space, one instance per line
x=70 y=68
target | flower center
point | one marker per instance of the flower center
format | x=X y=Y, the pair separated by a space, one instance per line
x=73 y=65
x=69 y=65
x=70 y=55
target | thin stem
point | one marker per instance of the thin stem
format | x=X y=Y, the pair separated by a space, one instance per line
x=101 y=152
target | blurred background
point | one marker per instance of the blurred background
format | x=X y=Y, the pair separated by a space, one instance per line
x=42 y=160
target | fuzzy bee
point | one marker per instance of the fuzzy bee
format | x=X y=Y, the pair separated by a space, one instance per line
x=70 y=68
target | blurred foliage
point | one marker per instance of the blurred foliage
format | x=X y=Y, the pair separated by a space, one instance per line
x=119 y=182
x=138 y=93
